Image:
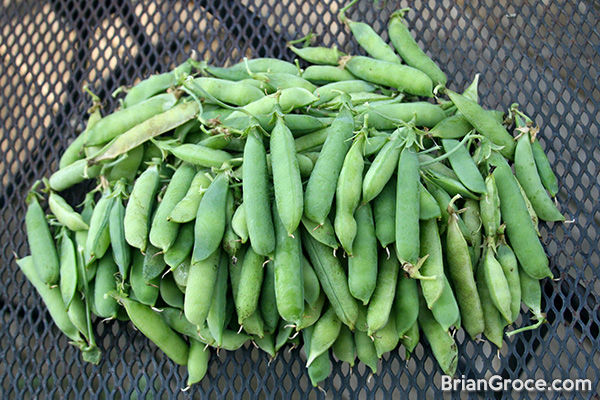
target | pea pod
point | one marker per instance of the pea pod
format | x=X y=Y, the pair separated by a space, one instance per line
x=318 y=55
x=507 y=259
x=65 y=214
x=182 y=247
x=41 y=244
x=68 y=268
x=259 y=219
x=445 y=310
x=120 y=248
x=157 y=330
x=527 y=174
x=287 y=183
x=325 y=332
x=250 y=281
x=154 y=263
x=324 y=74
x=127 y=167
x=365 y=350
x=327 y=93
x=282 y=80
x=217 y=313
x=347 y=195
x=453 y=127
x=333 y=280
x=411 y=339
x=381 y=302
x=544 y=168
x=145 y=292
x=407 y=208
x=406 y=304
x=267 y=302
x=343 y=347
x=384 y=212
x=410 y=51
x=441 y=342
x=155 y=84
x=197 y=363
x=401 y=77
x=320 y=368
x=433 y=266
x=139 y=207
x=494 y=321
x=231 y=92
x=383 y=167
x=497 y=285
x=389 y=116
x=199 y=155
x=464 y=166
x=428 y=206
x=210 y=219
x=98 y=239
x=369 y=40
x=202 y=278
x=521 y=235
x=238 y=223
x=387 y=337
x=362 y=265
x=485 y=123
x=472 y=220
x=104 y=283
x=322 y=233
x=73 y=174
x=312 y=288
x=170 y=292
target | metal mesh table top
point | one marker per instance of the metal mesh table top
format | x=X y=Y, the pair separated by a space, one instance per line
x=544 y=55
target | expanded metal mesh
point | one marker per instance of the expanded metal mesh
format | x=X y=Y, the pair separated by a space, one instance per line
x=542 y=54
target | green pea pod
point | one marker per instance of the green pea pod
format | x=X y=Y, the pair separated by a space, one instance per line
x=267 y=301
x=120 y=248
x=139 y=207
x=443 y=199
x=289 y=273
x=387 y=337
x=231 y=242
x=254 y=324
x=182 y=247
x=362 y=265
x=382 y=168
x=238 y=223
x=250 y=281
x=156 y=329
x=211 y=219
x=507 y=259
x=464 y=166
x=327 y=93
x=202 y=278
x=181 y=272
x=441 y=342
x=333 y=280
x=324 y=74
x=318 y=55
x=380 y=305
x=265 y=64
x=287 y=182
x=401 y=77
x=150 y=128
x=282 y=80
x=179 y=323
x=311 y=140
x=453 y=127
x=407 y=208
x=461 y=274
x=311 y=285
x=384 y=212
x=65 y=214
x=347 y=195
x=365 y=350
x=485 y=123
x=325 y=332
x=98 y=239
x=283 y=334
x=529 y=178
x=197 y=363
x=406 y=304
x=343 y=347
x=521 y=235
x=73 y=174
x=68 y=268
x=231 y=92
x=497 y=285
x=266 y=344
x=311 y=313
x=185 y=210
x=320 y=368
x=445 y=310
x=451 y=186
x=534 y=218
x=433 y=265
x=52 y=299
x=163 y=232
x=472 y=219
x=217 y=313
x=371 y=42
x=154 y=263
x=436 y=166
x=295 y=97
x=544 y=168
x=493 y=320
x=155 y=84
x=389 y=116
x=199 y=155
x=104 y=283
x=257 y=205
x=322 y=233
x=428 y=205
x=145 y=292
x=170 y=293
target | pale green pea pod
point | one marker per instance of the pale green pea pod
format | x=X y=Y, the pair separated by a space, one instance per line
x=127 y=168
x=387 y=337
x=407 y=208
x=428 y=206
x=282 y=80
x=437 y=166
x=325 y=332
x=267 y=302
x=150 y=128
x=217 y=313
x=119 y=122
x=411 y=338
x=490 y=208
x=532 y=214
x=155 y=84
x=65 y=214
x=265 y=64
x=312 y=287
x=320 y=368
x=200 y=155
x=384 y=211
x=348 y=193
x=170 y=293
x=451 y=186
x=202 y=277
x=383 y=166
x=356 y=99
x=236 y=93
x=324 y=74
x=441 y=342
x=312 y=140
x=343 y=347
x=120 y=248
x=295 y=97
x=494 y=321
x=104 y=283
x=266 y=344
x=185 y=210
x=318 y=55
x=254 y=324
x=68 y=269
x=507 y=259
x=432 y=267
x=464 y=166
x=250 y=282
x=73 y=174
x=98 y=239
x=211 y=217
x=362 y=265
x=145 y=292
x=365 y=350
x=311 y=313
x=406 y=304
x=197 y=363
x=472 y=220
x=75 y=150
x=389 y=116
x=497 y=285
x=380 y=305
x=369 y=40
x=330 y=91
x=139 y=207
x=445 y=310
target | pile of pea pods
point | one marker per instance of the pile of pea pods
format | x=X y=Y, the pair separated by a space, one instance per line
x=349 y=206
